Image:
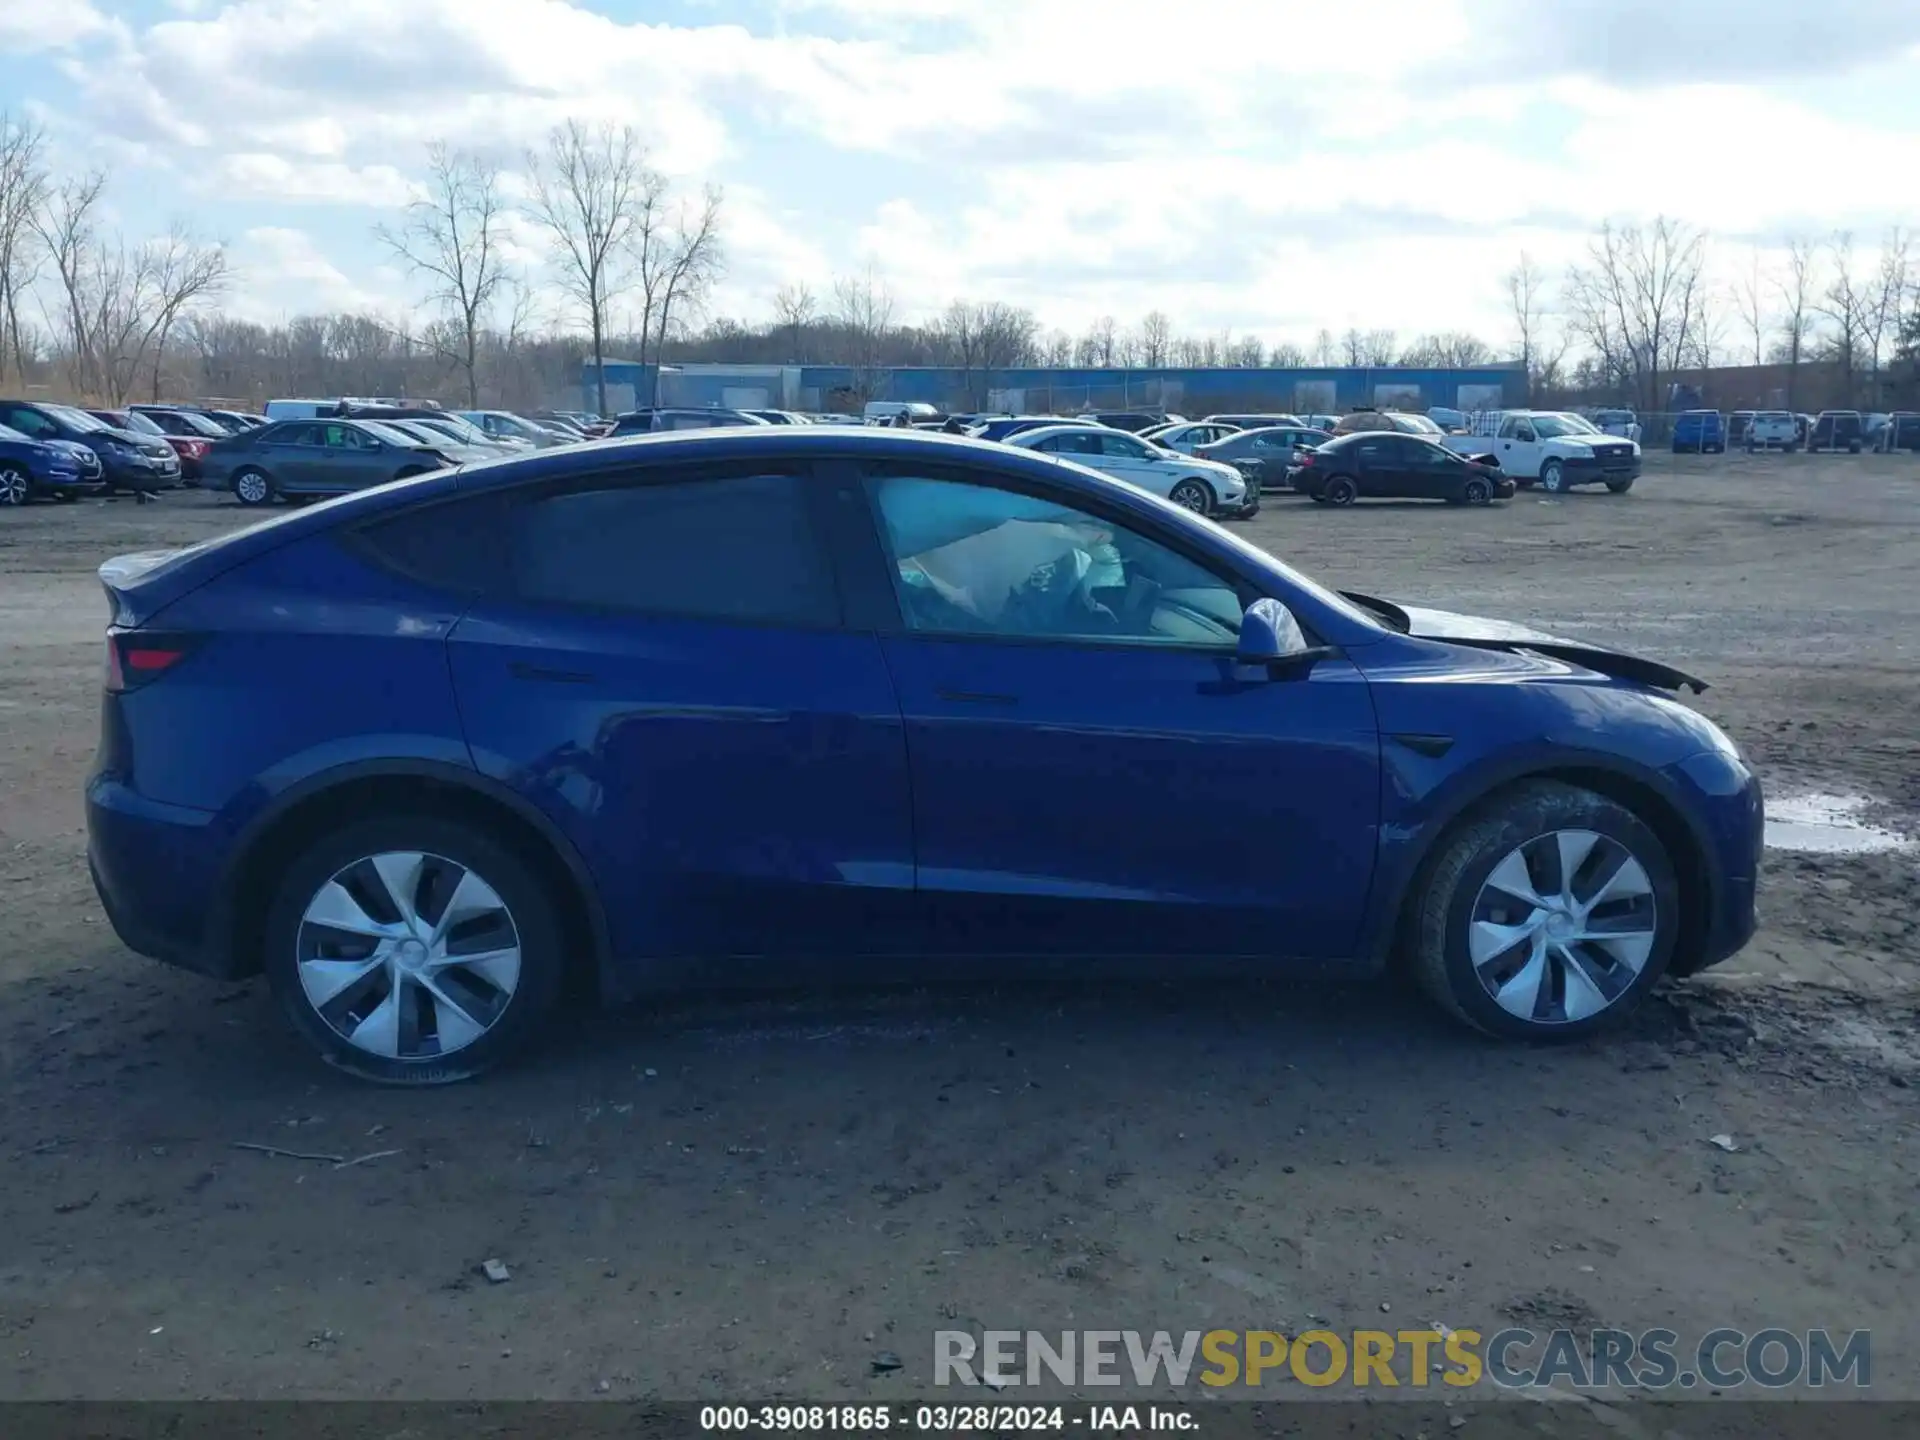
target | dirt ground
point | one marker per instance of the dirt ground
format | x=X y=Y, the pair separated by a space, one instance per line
x=724 y=1199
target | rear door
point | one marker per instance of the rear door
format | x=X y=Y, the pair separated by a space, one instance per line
x=294 y=457
x=665 y=671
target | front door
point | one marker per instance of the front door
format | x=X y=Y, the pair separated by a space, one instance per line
x=668 y=676
x=1090 y=778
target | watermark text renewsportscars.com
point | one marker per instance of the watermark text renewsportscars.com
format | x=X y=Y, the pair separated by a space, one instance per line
x=1515 y=1358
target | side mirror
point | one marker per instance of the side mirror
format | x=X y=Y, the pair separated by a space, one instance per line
x=1270 y=639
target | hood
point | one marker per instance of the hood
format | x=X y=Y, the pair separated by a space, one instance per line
x=1488 y=634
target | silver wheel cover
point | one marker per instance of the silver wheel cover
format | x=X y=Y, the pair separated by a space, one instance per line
x=408 y=956
x=1190 y=495
x=13 y=487
x=1562 y=927
x=253 y=486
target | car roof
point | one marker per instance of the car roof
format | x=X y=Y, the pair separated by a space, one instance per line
x=1039 y=432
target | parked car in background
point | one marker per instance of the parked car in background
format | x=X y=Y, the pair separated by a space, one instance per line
x=299 y=458
x=561 y=421
x=1447 y=418
x=667 y=417
x=188 y=448
x=1366 y=418
x=456 y=451
x=1266 y=457
x=1130 y=420
x=1321 y=422
x=780 y=417
x=235 y=421
x=1704 y=432
x=502 y=424
x=189 y=432
x=1188 y=436
x=1205 y=487
x=470 y=436
x=1901 y=432
x=1834 y=430
x=1383 y=464
x=1556 y=449
x=60 y=469
x=1737 y=423
x=131 y=420
x=128 y=460
x=1772 y=430
x=1623 y=423
x=1009 y=425
x=1255 y=422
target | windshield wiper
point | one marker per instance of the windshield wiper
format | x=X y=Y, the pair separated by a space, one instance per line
x=1396 y=618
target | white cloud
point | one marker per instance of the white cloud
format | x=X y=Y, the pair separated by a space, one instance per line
x=1274 y=167
x=282 y=272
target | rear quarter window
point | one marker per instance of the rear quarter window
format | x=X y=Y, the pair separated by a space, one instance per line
x=456 y=546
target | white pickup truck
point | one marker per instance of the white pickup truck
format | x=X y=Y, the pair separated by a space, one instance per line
x=1551 y=447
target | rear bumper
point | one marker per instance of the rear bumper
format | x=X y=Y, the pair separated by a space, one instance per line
x=156 y=869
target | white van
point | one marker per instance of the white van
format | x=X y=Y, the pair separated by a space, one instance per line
x=885 y=412
x=299 y=409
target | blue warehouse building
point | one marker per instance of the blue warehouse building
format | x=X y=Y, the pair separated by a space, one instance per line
x=1067 y=391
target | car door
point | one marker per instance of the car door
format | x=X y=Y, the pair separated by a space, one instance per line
x=294 y=456
x=1519 y=449
x=1129 y=458
x=350 y=459
x=666 y=673
x=1090 y=776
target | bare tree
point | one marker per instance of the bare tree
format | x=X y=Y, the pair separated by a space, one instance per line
x=1750 y=293
x=1377 y=347
x=1637 y=302
x=1057 y=349
x=1249 y=352
x=23 y=195
x=1156 y=339
x=1797 y=289
x=1889 y=291
x=182 y=273
x=1526 y=286
x=1323 y=348
x=452 y=235
x=1103 y=341
x=1287 y=356
x=1846 y=302
x=1353 y=348
x=695 y=260
x=796 y=310
x=65 y=226
x=588 y=187
x=863 y=306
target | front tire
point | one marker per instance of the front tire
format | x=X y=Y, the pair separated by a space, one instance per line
x=413 y=949
x=1192 y=495
x=1340 y=491
x=253 y=487
x=1546 y=915
x=15 y=487
x=1620 y=487
x=1553 y=477
x=1477 y=492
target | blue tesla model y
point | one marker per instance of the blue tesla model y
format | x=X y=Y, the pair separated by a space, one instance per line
x=775 y=705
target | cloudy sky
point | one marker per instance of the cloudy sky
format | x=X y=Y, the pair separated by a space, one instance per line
x=1267 y=165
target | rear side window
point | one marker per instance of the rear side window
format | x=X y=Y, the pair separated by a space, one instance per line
x=728 y=548
x=457 y=546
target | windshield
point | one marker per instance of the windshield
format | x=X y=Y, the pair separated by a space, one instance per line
x=135 y=421
x=1554 y=427
x=457 y=428
x=76 y=419
x=1421 y=425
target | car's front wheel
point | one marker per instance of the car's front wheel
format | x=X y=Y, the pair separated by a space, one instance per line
x=1192 y=495
x=1477 y=491
x=413 y=949
x=1553 y=477
x=1546 y=915
x=1620 y=487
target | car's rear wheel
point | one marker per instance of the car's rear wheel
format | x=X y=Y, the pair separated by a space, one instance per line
x=1192 y=495
x=252 y=487
x=1553 y=477
x=15 y=487
x=1546 y=915
x=1476 y=491
x=1340 y=491
x=413 y=949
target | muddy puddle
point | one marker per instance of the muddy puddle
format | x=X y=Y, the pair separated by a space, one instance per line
x=1826 y=824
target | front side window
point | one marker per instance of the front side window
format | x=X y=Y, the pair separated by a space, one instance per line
x=1123 y=447
x=30 y=422
x=736 y=548
x=343 y=437
x=972 y=559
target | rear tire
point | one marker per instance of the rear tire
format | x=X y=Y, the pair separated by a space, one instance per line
x=1340 y=491
x=1495 y=881
x=492 y=1014
x=253 y=487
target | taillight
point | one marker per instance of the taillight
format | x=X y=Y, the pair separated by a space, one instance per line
x=192 y=449
x=136 y=656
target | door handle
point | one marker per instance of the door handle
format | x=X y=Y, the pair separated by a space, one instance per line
x=557 y=677
x=975 y=697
